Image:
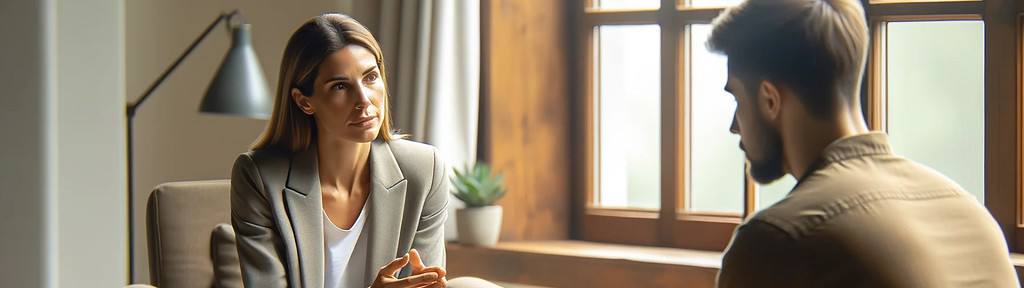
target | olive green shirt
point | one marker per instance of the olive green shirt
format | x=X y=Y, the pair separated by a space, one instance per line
x=864 y=217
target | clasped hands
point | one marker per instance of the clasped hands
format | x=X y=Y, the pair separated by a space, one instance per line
x=421 y=276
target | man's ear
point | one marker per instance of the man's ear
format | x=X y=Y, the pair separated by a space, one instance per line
x=302 y=101
x=769 y=100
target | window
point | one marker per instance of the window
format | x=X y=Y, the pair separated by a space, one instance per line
x=715 y=162
x=935 y=96
x=659 y=160
x=627 y=103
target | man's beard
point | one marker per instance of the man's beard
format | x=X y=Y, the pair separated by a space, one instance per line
x=770 y=168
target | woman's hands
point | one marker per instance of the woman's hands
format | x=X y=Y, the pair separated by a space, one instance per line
x=421 y=277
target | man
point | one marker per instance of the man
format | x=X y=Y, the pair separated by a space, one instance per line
x=860 y=216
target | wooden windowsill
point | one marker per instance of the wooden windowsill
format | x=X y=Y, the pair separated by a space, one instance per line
x=1018 y=261
x=569 y=263
x=584 y=249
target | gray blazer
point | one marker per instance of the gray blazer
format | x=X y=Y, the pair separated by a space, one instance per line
x=276 y=212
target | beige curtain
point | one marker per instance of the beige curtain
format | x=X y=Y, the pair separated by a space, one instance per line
x=432 y=50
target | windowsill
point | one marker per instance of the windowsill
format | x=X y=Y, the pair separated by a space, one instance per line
x=1018 y=261
x=645 y=254
x=546 y=263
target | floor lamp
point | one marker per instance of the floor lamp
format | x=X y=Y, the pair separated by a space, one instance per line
x=238 y=89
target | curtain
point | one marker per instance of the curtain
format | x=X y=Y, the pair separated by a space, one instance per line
x=432 y=54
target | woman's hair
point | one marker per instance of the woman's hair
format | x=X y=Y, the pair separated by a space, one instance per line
x=289 y=129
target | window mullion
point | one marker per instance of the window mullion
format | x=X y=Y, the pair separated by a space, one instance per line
x=671 y=144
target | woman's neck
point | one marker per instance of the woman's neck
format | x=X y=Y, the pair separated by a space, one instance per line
x=341 y=163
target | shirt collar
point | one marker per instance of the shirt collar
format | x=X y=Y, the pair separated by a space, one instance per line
x=867 y=144
x=860 y=145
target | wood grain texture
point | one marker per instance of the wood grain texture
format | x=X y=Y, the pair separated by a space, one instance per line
x=528 y=115
x=1019 y=214
x=614 y=227
x=711 y=233
x=582 y=264
x=1001 y=117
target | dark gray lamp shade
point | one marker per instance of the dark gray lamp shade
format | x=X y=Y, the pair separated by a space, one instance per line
x=239 y=88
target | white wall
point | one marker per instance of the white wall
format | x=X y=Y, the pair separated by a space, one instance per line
x=62 y=169
x=91 y=145
x=173 y=142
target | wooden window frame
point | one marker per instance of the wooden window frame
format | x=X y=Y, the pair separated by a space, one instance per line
x=671 y=226
x=665 y=226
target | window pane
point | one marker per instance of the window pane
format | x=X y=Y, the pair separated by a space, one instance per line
x=713 y=3
x=936 y=113
x=716 y=162
x=628 y=117
x=773 y=192
x=627 y=4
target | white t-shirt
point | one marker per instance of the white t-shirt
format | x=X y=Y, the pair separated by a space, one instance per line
x=345 y=254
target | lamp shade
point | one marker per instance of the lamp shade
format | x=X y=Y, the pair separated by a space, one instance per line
x=239 y=88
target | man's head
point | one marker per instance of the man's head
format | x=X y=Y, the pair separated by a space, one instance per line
x=810 y=52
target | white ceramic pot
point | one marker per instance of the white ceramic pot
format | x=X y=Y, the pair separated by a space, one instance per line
x=478 y=225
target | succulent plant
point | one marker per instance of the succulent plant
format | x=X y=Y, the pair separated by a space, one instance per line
x=477 y=187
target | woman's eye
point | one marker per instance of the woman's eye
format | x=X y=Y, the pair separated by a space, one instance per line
x=339 y=86
x=372 y=77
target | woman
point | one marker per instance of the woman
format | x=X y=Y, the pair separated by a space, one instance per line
x=328 y=197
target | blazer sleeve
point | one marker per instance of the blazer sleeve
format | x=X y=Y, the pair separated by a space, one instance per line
x=429 y=240
x=761 y=255
x=259 y=246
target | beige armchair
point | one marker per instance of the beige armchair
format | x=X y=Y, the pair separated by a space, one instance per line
x=180 y=222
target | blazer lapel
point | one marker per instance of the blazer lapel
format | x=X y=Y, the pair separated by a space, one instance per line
x=302 y=196
x=387 y=200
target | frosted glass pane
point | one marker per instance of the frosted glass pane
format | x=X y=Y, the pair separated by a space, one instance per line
x=773 y=192
x=716 y=162
x=627 y=4
x=628 y=117
x=936 y=97
x=714 y=3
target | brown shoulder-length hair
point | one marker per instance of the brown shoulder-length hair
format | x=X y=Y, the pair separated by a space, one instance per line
x=291 y=130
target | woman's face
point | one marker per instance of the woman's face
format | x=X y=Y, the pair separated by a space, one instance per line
x=348 y=96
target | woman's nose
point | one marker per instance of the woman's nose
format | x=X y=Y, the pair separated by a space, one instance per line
x=363 y=96
x=735 y=127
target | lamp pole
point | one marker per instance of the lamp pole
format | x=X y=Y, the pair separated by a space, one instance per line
x=130 y=113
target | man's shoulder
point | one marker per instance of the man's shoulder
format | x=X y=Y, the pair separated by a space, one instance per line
x=840 y=188
x=837 y=190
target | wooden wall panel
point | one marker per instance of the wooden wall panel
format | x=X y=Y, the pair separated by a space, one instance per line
x=1001 y=130
x=526 y=76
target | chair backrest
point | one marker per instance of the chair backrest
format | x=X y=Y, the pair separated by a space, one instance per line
x=179 y=219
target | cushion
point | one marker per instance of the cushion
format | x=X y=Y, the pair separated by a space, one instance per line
x=227 y=272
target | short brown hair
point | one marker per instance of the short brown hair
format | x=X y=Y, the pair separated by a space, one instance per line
x=817 y=48
x=289 y=129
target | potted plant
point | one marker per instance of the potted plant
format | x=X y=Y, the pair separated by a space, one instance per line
x=480 y=222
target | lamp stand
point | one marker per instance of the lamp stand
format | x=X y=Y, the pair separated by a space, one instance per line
x=130 y=113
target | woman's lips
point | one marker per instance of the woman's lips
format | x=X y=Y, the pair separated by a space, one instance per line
x=364 y=122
